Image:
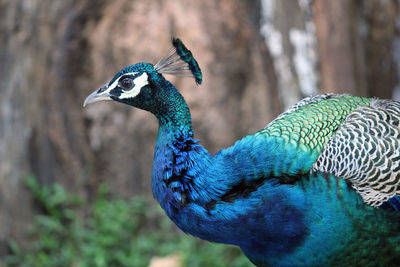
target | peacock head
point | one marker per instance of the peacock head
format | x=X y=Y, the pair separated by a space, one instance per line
x=142 y=85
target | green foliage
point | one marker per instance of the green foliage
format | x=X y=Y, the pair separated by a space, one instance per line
x=110 y=232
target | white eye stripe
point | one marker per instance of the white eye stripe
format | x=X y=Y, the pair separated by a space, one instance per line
x=139 y=83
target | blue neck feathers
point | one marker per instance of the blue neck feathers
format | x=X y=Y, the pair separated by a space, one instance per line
x=211 y=196
x=178 y=157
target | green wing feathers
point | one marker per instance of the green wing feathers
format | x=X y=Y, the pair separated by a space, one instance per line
x=297 y=137
x=311 y=123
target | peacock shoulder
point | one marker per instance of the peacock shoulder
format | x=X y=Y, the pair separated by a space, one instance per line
x=312 y=122
x=289 y=146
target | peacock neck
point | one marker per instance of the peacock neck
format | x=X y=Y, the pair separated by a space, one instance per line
x=174 y=120
x=170 y=108
x=178 y=157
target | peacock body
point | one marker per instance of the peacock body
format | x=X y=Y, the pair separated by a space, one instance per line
x=317 y=186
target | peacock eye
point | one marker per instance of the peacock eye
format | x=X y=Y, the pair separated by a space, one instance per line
x=126 y=83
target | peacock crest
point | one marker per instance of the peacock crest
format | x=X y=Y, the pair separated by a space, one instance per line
x=179 y=62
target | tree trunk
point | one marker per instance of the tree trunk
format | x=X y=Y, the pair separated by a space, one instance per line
x=358 y=44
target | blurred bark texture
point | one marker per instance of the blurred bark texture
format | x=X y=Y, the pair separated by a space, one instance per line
x=258 y=57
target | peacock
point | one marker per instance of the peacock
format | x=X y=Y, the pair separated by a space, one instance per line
x=318 y=186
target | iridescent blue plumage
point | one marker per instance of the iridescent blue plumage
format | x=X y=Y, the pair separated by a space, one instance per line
x=275 y=193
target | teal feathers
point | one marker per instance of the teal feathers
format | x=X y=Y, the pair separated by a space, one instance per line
x=187 y=57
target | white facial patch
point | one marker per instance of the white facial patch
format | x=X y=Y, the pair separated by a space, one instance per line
x=139 y=83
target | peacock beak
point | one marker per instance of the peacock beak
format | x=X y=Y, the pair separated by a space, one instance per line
x=100 y=94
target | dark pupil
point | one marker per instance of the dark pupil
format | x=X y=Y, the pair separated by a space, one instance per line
x=127 y=83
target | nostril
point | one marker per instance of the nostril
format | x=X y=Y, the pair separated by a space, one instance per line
x=102 y=89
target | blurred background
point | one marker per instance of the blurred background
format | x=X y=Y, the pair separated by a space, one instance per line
x=75 y=182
